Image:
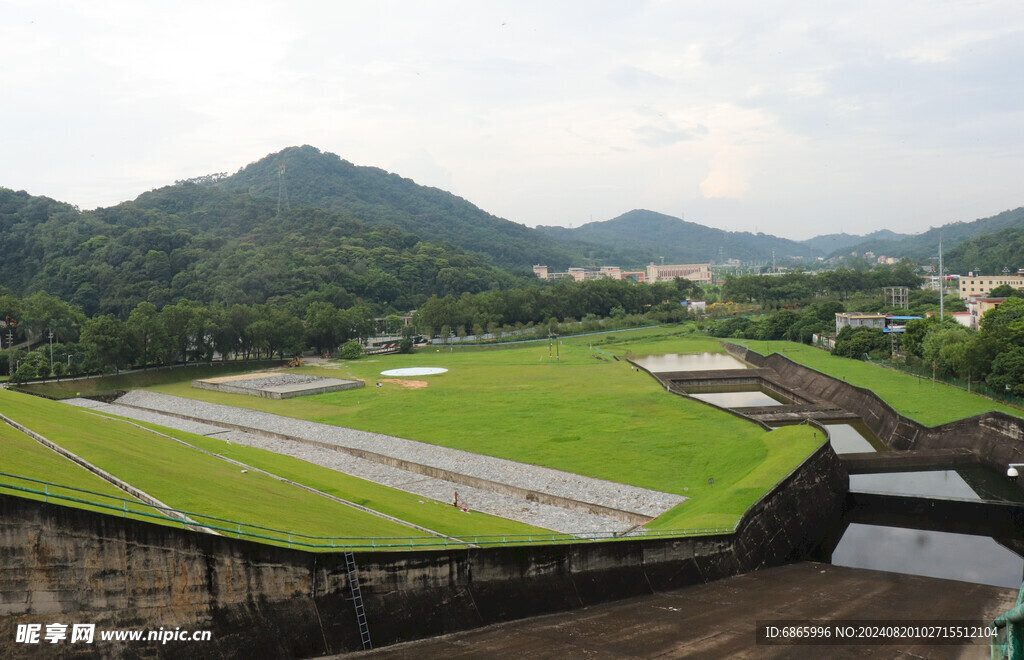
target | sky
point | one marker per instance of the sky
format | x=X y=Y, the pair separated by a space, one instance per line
x=789 y=118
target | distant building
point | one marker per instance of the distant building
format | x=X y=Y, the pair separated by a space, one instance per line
x=965 y=319
x=977 y=307
x=859 y=320
x=664 y=273
x=946 y=282
x=883 y=322
x=580 y=274
x=583 y=274
x=895 y=323
x=654 y=273
x=695 y=306
x=982 y=285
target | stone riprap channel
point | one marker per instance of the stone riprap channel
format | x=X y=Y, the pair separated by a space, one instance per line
x=276 y=385
x=544 y=497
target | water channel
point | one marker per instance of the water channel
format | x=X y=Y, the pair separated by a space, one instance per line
x=968 y=558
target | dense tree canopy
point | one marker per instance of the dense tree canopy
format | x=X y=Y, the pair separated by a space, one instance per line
x=208 y=245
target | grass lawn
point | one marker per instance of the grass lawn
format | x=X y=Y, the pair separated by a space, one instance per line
x=103 y=385
x=21 y=455
x=785 y=448
x=656 y=341
x=186 y=479
x=439 y=516
x=579 y=414
x=917 y=398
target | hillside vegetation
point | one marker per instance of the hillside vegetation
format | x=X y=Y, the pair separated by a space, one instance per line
x=208 y=245
x=640 y=236
x=376 y=197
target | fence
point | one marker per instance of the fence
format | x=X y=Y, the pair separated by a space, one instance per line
x=923 y=371
x=225 y=527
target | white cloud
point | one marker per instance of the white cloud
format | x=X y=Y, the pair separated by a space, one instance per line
x=781 y=113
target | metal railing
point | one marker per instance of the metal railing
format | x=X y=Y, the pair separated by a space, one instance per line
x=1008 y=643
x=226 y=527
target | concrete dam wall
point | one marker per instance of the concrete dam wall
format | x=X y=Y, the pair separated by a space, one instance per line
x=75 y=566
x=997 y=438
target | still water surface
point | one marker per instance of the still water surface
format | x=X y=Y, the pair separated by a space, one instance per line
x=977 y=559
x=737 y=399
x=690 y=362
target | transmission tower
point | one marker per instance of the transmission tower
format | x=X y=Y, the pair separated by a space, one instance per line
x=282 y=192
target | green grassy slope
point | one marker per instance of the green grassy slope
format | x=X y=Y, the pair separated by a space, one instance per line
x=23 y=456
x=187 y=479
x=578 y=413
x=917 y=398
x=439 y=516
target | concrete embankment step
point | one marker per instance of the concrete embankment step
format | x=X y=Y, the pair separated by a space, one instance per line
x=1001 y=520
x=775 y=415
x=916 y=460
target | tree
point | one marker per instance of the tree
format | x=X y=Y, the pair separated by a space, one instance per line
x=1006 y=291
x=855 y=342
x=44 y=313
x=914 y=333
x=179 y=320
x=1005 y=323
x=947 y=350
x=778 y=324
x=105 y=340
x=145 y=331
x=1008 y=372
x=324 y=326
x=351 y=350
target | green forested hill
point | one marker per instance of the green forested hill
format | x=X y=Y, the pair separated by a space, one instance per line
x=212 y=245
x=829 y=243
x=926 y=244
x=989 y=253
x=647 y=236
x=375 y=197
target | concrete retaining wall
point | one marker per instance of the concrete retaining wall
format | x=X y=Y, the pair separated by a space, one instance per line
x=74 y=566
x=996 y=437
x=279 y=392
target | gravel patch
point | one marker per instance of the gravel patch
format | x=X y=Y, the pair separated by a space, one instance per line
x=608 y=494
x=544 y=516
x=84 y=403
x=274 y=381
x=165 y=410
x=151 y=417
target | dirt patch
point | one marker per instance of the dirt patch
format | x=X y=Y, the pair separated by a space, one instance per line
x=407 y=384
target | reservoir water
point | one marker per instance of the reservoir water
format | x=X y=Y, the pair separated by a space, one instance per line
x=968 y=558
x=978 y=559
x=738 y=399
x=690 y=362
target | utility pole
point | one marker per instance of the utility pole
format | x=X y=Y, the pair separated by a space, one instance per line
x=51 y=351
x=942 y=288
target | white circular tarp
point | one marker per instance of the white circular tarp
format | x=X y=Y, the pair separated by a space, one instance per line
x=414 y=371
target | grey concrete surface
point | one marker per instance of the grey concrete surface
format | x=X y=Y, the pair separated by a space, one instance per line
x=718 y=619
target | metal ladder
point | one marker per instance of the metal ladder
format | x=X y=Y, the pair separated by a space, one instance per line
x=357 y=599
